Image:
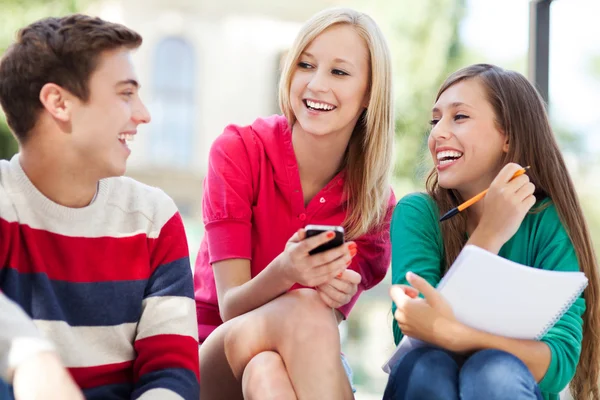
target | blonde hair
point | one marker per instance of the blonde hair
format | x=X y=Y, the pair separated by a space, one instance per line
x=368 y=158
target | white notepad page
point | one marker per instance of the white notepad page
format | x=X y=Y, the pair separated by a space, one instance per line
x=495 y=295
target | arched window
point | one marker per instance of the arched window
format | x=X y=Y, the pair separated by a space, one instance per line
x=172 y=126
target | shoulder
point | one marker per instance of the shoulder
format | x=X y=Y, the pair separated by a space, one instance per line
x=250 y=138
x=418 y=202
x=137 y=200
x=7 y=211
x=544 y=221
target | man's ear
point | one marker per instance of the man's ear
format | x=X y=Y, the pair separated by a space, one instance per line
x=57 y=101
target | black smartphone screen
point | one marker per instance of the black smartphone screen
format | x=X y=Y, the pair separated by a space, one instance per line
x=338 y=240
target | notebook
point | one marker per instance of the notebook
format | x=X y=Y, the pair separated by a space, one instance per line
x=496 y=295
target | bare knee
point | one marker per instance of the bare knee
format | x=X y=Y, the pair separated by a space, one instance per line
x=309 y=318
x=290 y=321
x=265 y=377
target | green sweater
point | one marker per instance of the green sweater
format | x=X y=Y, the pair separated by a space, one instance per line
x=540 y=242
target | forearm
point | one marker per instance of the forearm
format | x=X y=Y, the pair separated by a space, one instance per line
x=264 y=287
x=535 y=355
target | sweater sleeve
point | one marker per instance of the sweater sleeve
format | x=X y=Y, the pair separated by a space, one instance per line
x=372 y=260
x=228 y=197
x=19 y=338
x=416 y=244
x=166 y=342
x=564 y=338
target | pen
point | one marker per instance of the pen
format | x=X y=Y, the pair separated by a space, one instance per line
x=475 y=199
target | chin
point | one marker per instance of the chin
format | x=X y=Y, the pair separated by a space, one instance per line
x=314 y=129
x=447 y=184
x=116 y=171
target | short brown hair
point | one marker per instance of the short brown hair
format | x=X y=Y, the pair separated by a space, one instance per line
x=63 y=51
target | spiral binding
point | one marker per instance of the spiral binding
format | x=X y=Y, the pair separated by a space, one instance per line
x=562 y=311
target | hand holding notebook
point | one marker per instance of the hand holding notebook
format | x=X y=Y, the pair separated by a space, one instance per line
x=495 y=295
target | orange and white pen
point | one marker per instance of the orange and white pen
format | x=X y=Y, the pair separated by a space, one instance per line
x=475 y=199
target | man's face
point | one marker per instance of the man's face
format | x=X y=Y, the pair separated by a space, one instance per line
x=102 y=126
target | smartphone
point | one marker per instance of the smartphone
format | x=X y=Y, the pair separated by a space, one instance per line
x=338 y=240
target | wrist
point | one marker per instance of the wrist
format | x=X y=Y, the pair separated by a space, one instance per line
x=487 y=240
x=461 y=338
x=281 y=273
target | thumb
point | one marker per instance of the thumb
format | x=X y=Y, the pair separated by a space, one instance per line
x=299 y=236
x=351 y=276
x=431 y=295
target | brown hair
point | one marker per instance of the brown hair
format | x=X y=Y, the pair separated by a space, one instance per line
x=64 y=51
x=521 y=115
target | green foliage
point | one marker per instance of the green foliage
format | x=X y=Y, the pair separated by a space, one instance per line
x=8 y=144
x=424 y=41
x=594 y=66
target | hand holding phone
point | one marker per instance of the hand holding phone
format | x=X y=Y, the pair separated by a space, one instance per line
x=304 y=261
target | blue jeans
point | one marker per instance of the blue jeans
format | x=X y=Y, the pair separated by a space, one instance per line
x=430 y=373
x=5 y=391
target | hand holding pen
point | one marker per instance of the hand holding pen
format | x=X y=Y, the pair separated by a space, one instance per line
x=506 y=203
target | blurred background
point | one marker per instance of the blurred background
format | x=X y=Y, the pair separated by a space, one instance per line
x=205 y=64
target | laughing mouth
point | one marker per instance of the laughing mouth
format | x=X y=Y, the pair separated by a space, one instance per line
x=448 y=157
x=126 y=137
x=317 y=106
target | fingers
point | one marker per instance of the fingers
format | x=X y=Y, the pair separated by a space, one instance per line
x=313 y=242
x=347 y=283
x=431 y=295
x=349 y=276
x=525 y=191
x=347 y=250
x=299 y=236
x=336 y=298
x=398 y=295
x=326 y=299
x=325 y=273
x=506 y=173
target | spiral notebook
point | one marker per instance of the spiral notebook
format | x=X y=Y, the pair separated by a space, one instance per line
x=499 y=296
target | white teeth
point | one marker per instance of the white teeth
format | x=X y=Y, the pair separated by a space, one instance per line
x=126 y=136
x=444 y=162
x=319 y=106
x=449 y=153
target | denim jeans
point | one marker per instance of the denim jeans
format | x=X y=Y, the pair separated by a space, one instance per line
x=431 y=373
x=5 y=391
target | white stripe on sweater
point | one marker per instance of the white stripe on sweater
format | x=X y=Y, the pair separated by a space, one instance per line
x=123 y=208
x=160 y=394
x=90 y=346
x=167 y=315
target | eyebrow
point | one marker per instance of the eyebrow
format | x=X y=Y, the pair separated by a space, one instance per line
x=337 y=60
x=129 y=82
x=456 y=104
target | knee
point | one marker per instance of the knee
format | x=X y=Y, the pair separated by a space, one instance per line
x=427 y=371
x=308 y=317
x=495 y=374
x=261 y=368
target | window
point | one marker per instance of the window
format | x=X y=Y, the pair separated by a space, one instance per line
x=172 y=126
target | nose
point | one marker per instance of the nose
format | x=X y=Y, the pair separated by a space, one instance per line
x=318 y=82
x=141 y=114
x=440 y=131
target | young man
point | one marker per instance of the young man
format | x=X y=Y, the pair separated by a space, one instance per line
x=98 y=261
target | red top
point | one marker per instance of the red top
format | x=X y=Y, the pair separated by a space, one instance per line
x=253 y=203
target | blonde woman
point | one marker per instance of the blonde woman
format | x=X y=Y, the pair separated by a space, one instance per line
x=325 y=161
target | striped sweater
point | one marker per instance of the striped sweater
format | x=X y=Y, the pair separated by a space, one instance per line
x=109 y=284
